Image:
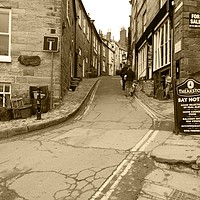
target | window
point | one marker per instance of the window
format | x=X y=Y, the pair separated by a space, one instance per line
x=5 y=35
x=144 y=21
x=80 y=18
x=142 y=62
x=104 y=51
x=84 y=61
x=5 y=95
x=84 y=25
x=68 y=10
x=88 y=32
x=80 y=51
x=162 y=40
x=104 y=66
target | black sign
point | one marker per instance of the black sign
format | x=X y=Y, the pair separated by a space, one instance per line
x=50 y=43
x=188 y=106
x=194 y=20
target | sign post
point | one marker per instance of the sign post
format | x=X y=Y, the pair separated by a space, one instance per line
x=188 y=106
x=51 y=45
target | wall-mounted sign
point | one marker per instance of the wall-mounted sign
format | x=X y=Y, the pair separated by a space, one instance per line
x=194 y=20
x=177 y=47
x=188 y=106
x=50 y=43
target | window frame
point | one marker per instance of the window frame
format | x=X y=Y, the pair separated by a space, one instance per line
x=68 y=11
x=162 y=41
x=142 y=61
x=80 y=18
x=4 y=93
x=7 y=58
x=162 y=2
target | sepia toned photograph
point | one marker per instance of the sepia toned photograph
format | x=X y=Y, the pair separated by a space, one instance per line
x=99 y=100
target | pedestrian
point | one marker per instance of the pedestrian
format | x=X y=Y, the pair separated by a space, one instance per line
x=167 y=87
x=129 y=77
x=123 y=71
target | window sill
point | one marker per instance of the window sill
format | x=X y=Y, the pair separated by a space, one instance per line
x=5 y=59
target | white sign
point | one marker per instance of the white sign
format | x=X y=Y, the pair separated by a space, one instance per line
x=177 y=46
x=194 y=20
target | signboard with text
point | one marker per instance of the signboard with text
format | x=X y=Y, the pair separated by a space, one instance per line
x=194 y=20
x=50 y=43
x=188 y=106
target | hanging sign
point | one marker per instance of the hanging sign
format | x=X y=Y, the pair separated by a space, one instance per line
x=188 y=106
x=50 y=43
x=194 y=20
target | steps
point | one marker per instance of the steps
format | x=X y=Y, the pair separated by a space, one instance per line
x=74 y=83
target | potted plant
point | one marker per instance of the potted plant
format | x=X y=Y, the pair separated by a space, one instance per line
x=6 y=114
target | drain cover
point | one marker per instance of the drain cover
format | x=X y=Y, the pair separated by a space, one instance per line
x=178 y=195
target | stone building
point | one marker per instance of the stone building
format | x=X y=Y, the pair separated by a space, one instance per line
x=165 y=38
x=31 y=46
x=45 y=43
x=95 y=52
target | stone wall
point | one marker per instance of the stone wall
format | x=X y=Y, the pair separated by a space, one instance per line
x=147 y=87
x=187 y=39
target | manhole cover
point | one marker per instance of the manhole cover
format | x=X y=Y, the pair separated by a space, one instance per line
x=178 y=195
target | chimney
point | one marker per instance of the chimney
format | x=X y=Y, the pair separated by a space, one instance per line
x=122 y=40
x=108 y=36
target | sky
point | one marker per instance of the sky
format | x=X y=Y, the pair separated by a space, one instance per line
x=109 y=15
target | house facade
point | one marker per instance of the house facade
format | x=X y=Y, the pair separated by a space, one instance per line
x=31 y=48
x=164 y=44
x=46 y=44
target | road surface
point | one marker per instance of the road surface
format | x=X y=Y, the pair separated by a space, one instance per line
x=100 y=154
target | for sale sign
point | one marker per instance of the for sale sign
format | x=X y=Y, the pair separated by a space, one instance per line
x=194 y=20
x=188 y=106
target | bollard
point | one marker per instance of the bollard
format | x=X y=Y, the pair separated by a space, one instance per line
x=38 y=104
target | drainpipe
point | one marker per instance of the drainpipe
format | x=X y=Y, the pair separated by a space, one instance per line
x=173 y=68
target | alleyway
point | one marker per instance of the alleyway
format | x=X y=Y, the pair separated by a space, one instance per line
x=102 y=152
x=74 y=160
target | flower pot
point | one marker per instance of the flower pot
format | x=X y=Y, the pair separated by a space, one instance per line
x=6 y=114
x=25 y=111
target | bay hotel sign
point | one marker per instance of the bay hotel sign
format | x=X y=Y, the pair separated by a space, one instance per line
x=194 y=20
x=188 y=106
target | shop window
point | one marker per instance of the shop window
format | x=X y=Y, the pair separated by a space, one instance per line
x=5 y=35
x=162 y=40
x=5 y=95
